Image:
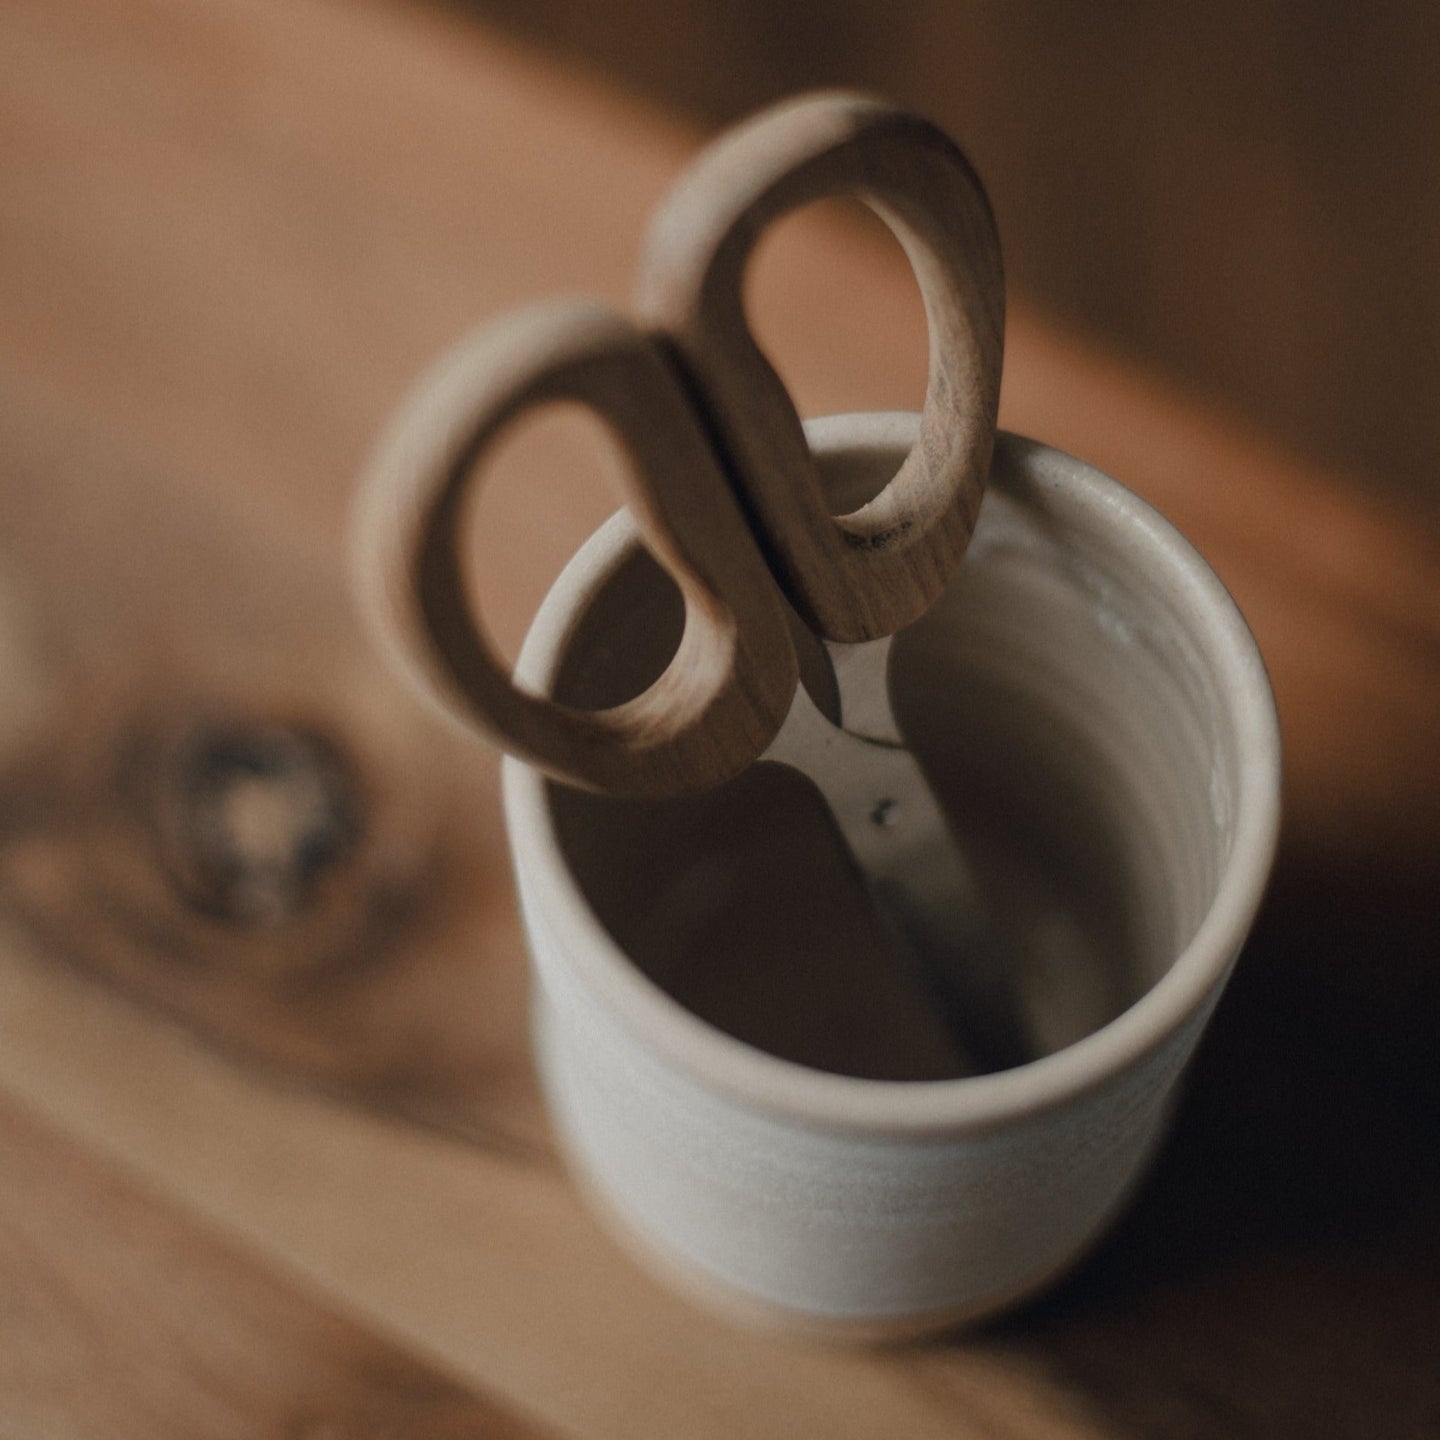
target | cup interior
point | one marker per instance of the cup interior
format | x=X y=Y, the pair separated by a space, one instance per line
x=1066 y=701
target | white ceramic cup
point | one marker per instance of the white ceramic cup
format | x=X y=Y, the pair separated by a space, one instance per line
x=1089 y=703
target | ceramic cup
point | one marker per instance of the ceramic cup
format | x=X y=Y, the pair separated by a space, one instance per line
x=722 y=1058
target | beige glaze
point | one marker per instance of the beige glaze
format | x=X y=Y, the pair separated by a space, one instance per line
x=729 y=1060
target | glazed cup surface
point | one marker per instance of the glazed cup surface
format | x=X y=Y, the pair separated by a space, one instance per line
x=1092 y=709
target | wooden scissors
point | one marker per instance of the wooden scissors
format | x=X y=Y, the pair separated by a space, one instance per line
x=728 y=500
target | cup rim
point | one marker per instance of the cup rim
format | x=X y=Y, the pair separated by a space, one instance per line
x=972 y=1104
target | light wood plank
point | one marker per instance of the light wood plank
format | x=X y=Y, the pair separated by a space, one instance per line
x=488 y=1265
x=123 y=1319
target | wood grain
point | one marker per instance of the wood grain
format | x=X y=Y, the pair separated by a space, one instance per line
x=123 y=1318
x=229 y=237
x=492 y=1268
x=1245 y=197
x=209 y=682
x=725 y=691
x=866 y=574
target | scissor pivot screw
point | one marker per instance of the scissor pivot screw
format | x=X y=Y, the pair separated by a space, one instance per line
x=886 y=814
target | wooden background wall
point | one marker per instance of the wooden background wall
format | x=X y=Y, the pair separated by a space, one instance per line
x=1245 y=192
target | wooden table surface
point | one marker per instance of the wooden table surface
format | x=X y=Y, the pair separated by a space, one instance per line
x=271 y=1157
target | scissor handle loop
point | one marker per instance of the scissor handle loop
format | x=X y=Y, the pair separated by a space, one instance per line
x=729 y=685
x=867 y=574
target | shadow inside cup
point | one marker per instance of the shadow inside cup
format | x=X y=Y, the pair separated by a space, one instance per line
x=1075 y=739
